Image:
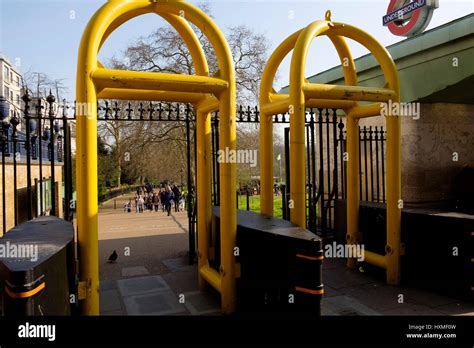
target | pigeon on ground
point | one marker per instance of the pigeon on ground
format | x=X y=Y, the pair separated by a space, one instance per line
x=113 y=257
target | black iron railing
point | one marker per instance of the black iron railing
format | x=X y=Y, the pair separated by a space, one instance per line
x=47 y=142
x=325 y=163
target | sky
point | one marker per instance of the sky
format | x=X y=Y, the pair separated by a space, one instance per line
x=44 y=35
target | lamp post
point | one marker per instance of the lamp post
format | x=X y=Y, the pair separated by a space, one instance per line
x=59 y=141
x=15 y=121
x=52 y=130
x=46 y=137
x=4 y=113
x=29 y=130
x=33 y=126
x=39 y=137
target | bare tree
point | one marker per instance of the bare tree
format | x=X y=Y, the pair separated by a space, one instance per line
x=35 y=81
x=158 y=149
x=249 y=51
x=59 y=88
x=165 y=51
x=137 y=146
x=39 y=84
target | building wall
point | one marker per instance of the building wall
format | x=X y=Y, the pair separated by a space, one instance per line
x=428 y=145
x=10 y=81
x=21 y=184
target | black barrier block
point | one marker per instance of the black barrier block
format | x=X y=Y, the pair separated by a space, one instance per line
x=437 y=251
x=281 y=265
x=373 y=227
x=439 y=247
x=39 y=283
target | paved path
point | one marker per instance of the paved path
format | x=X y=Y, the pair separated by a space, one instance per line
x=151 y=276
x=351 y=292
x=143 y=239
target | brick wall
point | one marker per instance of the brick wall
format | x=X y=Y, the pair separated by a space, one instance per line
x=21 y=185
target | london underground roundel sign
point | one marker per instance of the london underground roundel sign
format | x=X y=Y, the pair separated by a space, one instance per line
x=409 y=17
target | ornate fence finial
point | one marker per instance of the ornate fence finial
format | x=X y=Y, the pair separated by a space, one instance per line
x=327 y=15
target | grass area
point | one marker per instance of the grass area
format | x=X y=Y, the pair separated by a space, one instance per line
x=254 y=204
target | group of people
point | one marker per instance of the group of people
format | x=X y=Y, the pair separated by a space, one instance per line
x=152 y=199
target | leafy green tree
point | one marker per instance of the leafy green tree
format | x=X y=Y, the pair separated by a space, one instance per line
x=108 y=172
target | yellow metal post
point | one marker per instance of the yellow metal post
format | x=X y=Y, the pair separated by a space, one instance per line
x=228 y=196
x=87 y=191
x=266 y=164
x=297 y=110
x=204 y=214
x=352 y=145
x=392 y=257
x=266 y=123
x=392 y=248
x=352 y=198
x=297 y=161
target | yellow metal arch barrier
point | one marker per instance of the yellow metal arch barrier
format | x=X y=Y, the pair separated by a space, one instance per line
x=206 y=93
x=302 y=95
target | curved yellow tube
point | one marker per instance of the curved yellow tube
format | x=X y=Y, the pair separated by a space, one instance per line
x=93 y=77
x=302 y=95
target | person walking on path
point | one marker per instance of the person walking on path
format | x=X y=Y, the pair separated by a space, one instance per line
x=156 y=200
x=136 y=203
x=176 y=195
x=162 y=199
x=140 y=204
x=168 y=199
x=150 y=202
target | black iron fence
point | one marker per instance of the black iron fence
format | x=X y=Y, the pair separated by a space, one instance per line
x=326 y=159
x=372 y=164
x=46 y=141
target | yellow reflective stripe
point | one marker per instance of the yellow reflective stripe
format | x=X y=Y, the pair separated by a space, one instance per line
x=26 y=293
x=310 y=291
x=312 y=258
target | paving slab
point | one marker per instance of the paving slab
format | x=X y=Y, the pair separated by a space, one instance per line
x=141 y=285
x=182 y=281
x=202 y=303
x=175 y=264
x=344 y=305
x=377 y=296
x=110 y=301
x=108 y=285
x=425 y=298
x=153 y=303
x=411 y=309
x=331 y=292
x=134 y=271
x=339 y=277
